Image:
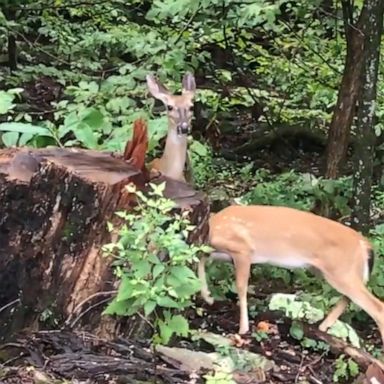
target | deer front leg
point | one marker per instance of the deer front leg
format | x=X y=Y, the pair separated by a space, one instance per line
x=242 y=271
x=205 y=293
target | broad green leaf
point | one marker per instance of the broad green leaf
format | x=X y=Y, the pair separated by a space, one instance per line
x=158 y=268
x=149 y=306
x=10 y=139
x=188 y=289
x=125 y=289
x=116 y=308
x=6 y=102
x=182 y=272
x=179 y=325
x=167 y=302
x=296 y=331
x=25 y=128
x=142 y=268
x=199 y=148
x=25 y=138
x=165 y=332
x=92 y=117
x=86 y=135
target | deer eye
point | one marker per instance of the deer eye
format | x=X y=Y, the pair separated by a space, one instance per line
x=169 y=107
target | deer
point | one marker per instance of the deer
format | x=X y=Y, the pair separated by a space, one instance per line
x=180 y=112
x=291 y=238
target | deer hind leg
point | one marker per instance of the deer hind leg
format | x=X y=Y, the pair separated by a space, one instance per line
x=242 y=271
x=334 y=314
x=354 y=288
x=204 y=291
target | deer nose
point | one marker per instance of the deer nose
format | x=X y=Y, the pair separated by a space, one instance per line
x=183 y=128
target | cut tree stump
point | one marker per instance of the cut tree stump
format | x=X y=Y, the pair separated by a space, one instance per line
x=54 y=207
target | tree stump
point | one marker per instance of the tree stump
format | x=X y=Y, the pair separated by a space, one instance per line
x=54 y=207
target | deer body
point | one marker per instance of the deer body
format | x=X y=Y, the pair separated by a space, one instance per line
x=180 y=112
x=292 y=238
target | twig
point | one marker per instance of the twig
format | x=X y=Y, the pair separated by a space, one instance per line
x=300 y=368
x=319 y=55
x=32 y=45
x=87 y=310
x=85 y=301
x=145 y=320
x=4 y=307
x=9 y=361
x=186 y=25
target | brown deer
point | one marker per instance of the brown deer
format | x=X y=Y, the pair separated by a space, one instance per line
x=180 y=112
x=292 y=238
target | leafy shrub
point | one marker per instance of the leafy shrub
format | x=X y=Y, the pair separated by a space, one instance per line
x=153 y=262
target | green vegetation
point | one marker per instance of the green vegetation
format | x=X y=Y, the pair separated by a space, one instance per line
x=154 y=263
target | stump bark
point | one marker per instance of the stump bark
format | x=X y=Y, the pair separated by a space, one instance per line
x=54 y=207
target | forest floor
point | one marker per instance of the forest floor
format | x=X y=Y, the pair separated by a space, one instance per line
x=61 y=356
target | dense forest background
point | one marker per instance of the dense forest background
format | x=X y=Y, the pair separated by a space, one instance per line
x=289 y=108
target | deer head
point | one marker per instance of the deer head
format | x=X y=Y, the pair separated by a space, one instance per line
x=179 y=107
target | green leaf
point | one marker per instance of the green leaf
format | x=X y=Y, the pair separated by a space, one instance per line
x=10 y=138
x=179 y=325
x=85 y=134
x=187 y=289
x=93 y=118
x=25 y=138
x=182 y=272
x=158 y=189
x=199 y=148
x=149 y=306
x=25 y=128
x=125 y=289
x=116 y=308
x=296 y=331
x=165 y=332
x=142 y=268
x=6 y=100
x=158 y=268
x=167 y=302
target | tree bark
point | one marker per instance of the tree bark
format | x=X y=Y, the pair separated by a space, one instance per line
x=364 y=147
x=10 y=14
x=340 y=127
x=54 y=208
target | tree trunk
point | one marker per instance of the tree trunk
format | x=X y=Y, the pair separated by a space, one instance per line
x=339 y=130
x=54 y=207
x=364 y=147
x=10 y=14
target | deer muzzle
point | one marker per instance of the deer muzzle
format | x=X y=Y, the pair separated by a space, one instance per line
x=183 y=128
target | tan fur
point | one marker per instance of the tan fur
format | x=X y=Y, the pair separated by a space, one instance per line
x=180 y=112
x=291 y=238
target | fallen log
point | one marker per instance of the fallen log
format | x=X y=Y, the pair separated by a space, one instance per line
x=55 y=355
x=54 y=207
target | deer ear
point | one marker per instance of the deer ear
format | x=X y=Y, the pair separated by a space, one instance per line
x=156 y=89
x=189 y=84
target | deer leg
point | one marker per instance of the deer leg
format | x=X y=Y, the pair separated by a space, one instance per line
x=216 y=255
x=334 y=314
x=242 y=270
x=205 y=294
x=355 y=289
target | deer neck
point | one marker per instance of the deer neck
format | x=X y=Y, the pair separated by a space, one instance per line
x=174 y=156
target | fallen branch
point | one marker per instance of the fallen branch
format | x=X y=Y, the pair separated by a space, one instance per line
x=338 y=346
